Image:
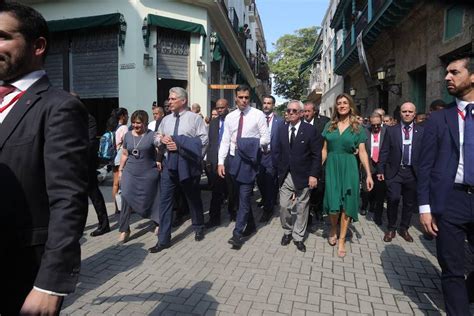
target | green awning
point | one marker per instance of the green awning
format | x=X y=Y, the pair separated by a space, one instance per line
x=175 y=24
x=315 y=53
x=90 y=22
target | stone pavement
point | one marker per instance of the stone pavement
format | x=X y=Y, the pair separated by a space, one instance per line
x=263 y=278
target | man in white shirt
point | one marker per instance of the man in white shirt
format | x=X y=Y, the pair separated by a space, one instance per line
x=446 y=182
x=244 y=122
x=43 y=172
x=158 y=114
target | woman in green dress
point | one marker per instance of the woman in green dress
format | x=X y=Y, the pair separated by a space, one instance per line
x=344 y=137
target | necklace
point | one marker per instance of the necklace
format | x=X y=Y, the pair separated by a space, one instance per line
x=135 y=151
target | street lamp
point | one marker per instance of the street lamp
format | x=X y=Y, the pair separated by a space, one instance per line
x=352 y=92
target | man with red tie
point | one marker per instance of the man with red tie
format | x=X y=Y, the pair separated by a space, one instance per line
x=446 y=183
x=373 y=200
x=43 y=171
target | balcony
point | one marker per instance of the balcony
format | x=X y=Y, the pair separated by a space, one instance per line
x=375 y=17
x=234 y=19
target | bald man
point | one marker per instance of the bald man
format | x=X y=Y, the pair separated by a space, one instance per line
x=398 y=166
x=221 y=187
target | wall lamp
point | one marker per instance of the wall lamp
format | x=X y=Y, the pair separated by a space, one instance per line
x=147 y=60
x=201 y=66
x=395 y=88
x=352 y=92
x=213 y=41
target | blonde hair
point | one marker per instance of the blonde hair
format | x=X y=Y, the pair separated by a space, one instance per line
x=353 y=122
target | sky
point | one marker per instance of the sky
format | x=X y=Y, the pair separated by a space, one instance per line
x=280 y=17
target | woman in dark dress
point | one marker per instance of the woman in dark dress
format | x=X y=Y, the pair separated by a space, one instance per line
x=138 y=173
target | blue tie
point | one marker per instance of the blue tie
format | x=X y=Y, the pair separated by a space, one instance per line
x=469 y=145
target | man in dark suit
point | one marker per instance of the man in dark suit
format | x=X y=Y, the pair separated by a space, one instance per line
x=311 y=116
x=373 y=200
x=298 y=151
x=220 y=186
x=398 y=166
x=267 y=179
x=446 y=183
x=43 y=172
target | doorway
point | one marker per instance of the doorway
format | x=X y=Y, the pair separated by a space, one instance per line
x=418 y=88
x=164 y=86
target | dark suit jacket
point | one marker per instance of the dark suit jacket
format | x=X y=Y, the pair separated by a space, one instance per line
x=93 y=158
x=439 y=158
x=269 y=160
x=189 y=157
x=368 y=147
x=390 y=156
x=244 y=165
x=213 y=146
x=319 y=123
x=43 y=182
x=303 y=159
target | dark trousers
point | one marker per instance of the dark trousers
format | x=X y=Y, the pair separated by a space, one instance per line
x=97 y=198
x=267 y=182
x=455 y=224
x=244 y=213
x=221 y=187
x=373 y=200
x=191 y=190
x=403 y=184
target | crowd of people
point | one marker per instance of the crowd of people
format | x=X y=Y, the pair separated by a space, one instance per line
x=301 y=162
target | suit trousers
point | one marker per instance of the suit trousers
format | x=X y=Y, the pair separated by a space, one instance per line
x=403 y=184
x=294 y=213
x=455 y=224
x=373 y=200
x=191 y=190
x=267 y=182
x=244 y=213
x=97 y=198
x=221 y=187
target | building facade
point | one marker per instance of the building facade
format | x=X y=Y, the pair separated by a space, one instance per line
x=129 y=53
x=392 y=51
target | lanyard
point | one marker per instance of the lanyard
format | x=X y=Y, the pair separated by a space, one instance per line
x=19 y=95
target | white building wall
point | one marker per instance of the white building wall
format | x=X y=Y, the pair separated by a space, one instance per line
x=138 y=86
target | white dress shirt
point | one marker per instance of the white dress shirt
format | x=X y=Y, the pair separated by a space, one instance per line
x=460 y=171
x=254 y=125
x=21 y=85
x=296 y=126
x=410 y=141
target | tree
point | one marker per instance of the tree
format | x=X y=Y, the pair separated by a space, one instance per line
x=291 y=50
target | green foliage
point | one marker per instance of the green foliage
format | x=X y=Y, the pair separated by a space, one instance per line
x=291 y=50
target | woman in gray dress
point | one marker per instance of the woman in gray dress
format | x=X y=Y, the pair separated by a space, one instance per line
x=138 y=174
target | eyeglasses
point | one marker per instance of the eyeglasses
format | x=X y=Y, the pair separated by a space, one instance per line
x=243 y=97
x=289 y=111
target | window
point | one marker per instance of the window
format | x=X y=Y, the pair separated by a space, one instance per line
x=453 y=21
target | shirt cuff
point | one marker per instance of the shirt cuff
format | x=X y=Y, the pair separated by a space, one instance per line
x=425 y=209
x=49 y=292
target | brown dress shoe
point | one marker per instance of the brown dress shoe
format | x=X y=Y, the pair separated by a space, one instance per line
x=389 y=236
x=405 y=235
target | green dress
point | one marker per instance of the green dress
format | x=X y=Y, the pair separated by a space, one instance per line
x=342 y=172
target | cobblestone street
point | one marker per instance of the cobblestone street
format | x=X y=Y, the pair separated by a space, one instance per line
x=263 y=278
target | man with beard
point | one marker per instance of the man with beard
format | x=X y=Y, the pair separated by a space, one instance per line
x=43 y=171
x=446 y=183
x=267 y=178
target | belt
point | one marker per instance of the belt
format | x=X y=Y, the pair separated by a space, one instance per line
x=469 y=189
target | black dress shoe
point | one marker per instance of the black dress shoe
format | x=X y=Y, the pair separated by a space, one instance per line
x=199 y=236
x=405 y=235
x=285 y=240
x=363 y=212
x=266 y=216
x=213 y=223
x=100 y=231
x=233 y=217
x=236 y=242
x=158 y=248
x=300 y=246
x=389 y=235
x=249 y=231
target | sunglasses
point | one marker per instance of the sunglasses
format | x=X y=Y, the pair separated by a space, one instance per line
x=289 y=111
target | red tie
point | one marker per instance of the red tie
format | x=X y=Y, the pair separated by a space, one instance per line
x=375 y=150
x=241 y=125
x=4 y=91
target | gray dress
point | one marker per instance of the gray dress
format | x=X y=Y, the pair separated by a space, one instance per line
x=140 y=179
